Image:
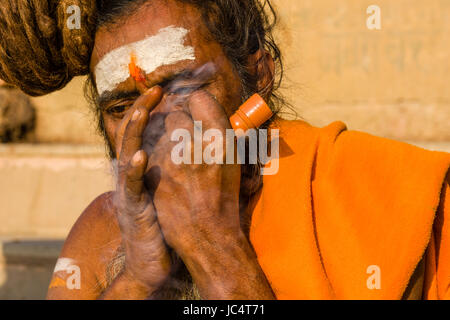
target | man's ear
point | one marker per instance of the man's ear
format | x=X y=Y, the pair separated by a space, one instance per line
x=262 y=66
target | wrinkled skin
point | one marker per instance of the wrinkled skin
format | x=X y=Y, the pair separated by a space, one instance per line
x=192 y=209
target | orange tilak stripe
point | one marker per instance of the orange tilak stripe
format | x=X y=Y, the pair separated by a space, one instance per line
x=135 y=72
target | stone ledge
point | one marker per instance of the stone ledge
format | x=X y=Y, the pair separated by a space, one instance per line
x=52 y=150
x=26 y=267
x=35 y=252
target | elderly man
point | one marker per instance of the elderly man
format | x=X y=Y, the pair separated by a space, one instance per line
x=348 y=215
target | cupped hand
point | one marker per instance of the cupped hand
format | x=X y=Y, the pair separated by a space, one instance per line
x=196 y=204
x=146 y=255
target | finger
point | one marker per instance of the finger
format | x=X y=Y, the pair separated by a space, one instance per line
x=205 y=108
x=132 y=138
x=145 y=103
x=134 y=178
x=121 y=130
x=150 y=98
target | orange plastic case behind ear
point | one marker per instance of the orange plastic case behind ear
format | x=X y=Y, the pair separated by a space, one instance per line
x=252 y=114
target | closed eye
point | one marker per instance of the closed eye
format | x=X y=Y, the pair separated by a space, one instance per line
x=119 y=110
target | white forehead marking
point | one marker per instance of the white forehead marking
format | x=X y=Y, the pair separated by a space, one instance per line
x=63 y=264
x=165 y=48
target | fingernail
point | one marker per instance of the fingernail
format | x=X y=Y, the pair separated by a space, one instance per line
x=146 y=93
x=136 y=115
x=138 y=157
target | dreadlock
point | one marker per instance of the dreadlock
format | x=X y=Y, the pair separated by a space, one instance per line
x=38 y=52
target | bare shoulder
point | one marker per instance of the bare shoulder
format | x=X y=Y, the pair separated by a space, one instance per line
x=97 y=225
x=92 y=243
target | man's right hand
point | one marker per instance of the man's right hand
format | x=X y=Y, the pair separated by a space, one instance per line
x=147 y=259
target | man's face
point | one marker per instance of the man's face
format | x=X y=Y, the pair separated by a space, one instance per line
x=148 y=22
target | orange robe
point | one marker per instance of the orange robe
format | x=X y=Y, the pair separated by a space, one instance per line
x=345 y=202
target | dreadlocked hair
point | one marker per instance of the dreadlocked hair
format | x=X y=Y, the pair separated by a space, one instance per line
x=38 y=52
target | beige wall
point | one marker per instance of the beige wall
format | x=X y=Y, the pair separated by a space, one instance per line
x=66 y=117
x=44 y=188
x=391 y=82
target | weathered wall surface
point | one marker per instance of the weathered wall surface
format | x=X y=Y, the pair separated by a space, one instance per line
x=391 y=82
x=65 y=116
x=44 y=189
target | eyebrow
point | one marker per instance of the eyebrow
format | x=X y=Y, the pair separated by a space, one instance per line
x=109 y=96
x=167 y=83
x=116 y=95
